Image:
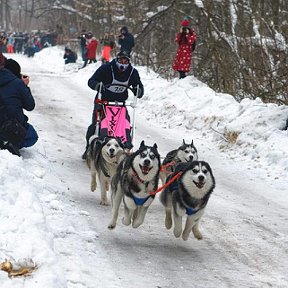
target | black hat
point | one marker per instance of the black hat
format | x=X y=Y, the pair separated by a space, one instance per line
x=14 y=67
x=123 y=54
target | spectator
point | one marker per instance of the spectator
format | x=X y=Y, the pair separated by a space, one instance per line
x=118 y=71
x=3 y=41
x=186 y=41
x=83 y=38
x=69 y=56
x=126 y=40
x=15 y=96
x=91 y=47
x=107 y=45
x=10 y=44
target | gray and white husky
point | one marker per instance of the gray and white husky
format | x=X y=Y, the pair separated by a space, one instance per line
x=103 y=157
x=184 y=153
x=136 y=176
x=188 y=195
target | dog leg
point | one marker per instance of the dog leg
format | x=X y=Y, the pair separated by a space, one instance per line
x=196 y=232
x=140 y=217
x=103 y=185
x=168 y=218
x=177 y=226
x=93 y=184
x=129 y=209
x=177 y=215
x=188 y=228
x=116 y=201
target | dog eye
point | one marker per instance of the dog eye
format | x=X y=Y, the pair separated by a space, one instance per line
x=152 y=156
x=195 y=171
x=143 y=155
x=116 y=145
x=186 y=151
x=204 y=171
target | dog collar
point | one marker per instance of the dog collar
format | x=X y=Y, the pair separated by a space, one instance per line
x=136 y=176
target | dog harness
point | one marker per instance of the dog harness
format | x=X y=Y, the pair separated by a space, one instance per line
x=189 y=210
x=140 y=201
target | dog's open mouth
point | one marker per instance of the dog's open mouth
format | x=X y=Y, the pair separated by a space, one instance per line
x=199 y=184
x=145 y=169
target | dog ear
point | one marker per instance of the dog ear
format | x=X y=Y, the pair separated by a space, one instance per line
x=184 y=142
x=100 y=141
x=155 y=146
x=142 y=143
x=120 y=142
x=192 y=142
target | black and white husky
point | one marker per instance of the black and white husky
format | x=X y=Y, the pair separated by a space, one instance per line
x=136 y=176
x=103 y=157
x=184 y=153
x=188 y=195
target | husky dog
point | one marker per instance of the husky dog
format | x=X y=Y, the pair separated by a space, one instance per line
x=136 y=176
x=189 y=195
x=103 y=157
x=185 y=153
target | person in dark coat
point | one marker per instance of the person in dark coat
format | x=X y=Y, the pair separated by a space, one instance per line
x=69 y=56
x=126 y=40
x=83 y=38
x=16 y=96
x=186 y=40
x=118 y=71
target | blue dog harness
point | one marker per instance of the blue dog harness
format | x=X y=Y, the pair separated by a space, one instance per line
x=189 y=210
x=140 y=201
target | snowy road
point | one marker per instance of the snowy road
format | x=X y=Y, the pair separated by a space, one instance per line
x=245 y=228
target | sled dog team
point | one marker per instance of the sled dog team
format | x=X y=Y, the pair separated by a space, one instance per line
x=187 y=183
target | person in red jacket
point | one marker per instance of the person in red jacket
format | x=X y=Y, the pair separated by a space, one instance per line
x=91 y=49
x=186 y=41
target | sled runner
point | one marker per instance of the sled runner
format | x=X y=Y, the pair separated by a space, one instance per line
x=112 y=117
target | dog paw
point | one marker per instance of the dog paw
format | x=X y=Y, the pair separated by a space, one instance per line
x=104 y=203
x=197 y=234
x=185 y=236
x=126 y=222
x=177 y=232
x=168 y=223
x=93 y=187
x=136 y=224
x=111 y=226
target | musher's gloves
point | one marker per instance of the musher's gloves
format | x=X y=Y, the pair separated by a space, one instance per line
x=97 y=86
x=140 y=92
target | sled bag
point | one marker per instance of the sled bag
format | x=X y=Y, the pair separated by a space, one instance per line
x=13 y=131
x=116 y=123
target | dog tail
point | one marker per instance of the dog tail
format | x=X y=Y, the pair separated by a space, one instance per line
x=92 y=138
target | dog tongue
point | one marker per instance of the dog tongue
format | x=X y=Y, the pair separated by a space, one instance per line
x=145 y=169
x=199 y=185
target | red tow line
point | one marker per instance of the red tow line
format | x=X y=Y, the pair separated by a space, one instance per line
x=174 y=178
x=163 y=167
